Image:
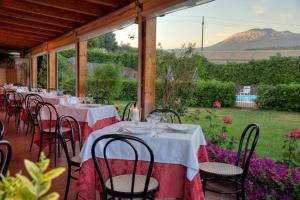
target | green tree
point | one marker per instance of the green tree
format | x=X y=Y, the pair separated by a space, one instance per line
x=42 y=71
x=106 y=41
x=105 y=81
x=66 y=75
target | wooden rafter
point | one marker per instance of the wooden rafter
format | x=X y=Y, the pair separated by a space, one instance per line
x=37 y=18
x=20 y=36
x=36 y=25
x=44 y=10
x=77 y=6
x=23 y=33
x=110 y=3
x=12 y=27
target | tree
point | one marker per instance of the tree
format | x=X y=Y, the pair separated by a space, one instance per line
x=105 y=82
x=106 y=41
x=42 y=71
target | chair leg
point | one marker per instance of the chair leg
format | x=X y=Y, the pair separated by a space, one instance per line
x=32 y=137
x=41 y=145
x=27 y=129
x=55 y=149
x=203 y=183
x=68 y=184
x=243 y=193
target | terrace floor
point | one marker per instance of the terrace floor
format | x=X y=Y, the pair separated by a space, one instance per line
x=20 y=145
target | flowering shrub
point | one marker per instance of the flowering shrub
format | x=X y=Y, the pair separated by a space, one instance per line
x=266 y=179
x=219 y=135
x=291 y=155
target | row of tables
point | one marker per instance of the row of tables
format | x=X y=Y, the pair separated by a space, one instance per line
x=177 y=150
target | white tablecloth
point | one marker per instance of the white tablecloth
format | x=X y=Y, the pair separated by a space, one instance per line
x=84 y=113
x=172 y=147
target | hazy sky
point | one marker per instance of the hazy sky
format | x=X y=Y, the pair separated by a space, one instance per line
x=222 y=19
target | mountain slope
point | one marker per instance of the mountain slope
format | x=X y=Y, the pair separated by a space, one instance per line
x=258 y=39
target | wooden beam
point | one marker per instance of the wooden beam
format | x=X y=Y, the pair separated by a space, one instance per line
x=19 y=36
x=33 y=71
x=130 y=11
x=10 y=31
x=16 y=42
x=17 y=28
x=110 y=3
x=51 y=70
x=77 y=6
x=44 y=10
x=38 y=18
x=147 y=40
x=35 y=25
x=81 y=57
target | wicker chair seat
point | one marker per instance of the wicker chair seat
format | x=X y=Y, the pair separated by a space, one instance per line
x=221 y=169
x=121 y=183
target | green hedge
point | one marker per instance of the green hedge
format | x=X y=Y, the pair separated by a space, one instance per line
x=207 y=92
x=279 y=97
x=273 y=71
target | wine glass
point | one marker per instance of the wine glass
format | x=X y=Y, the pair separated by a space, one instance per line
x=154 y=120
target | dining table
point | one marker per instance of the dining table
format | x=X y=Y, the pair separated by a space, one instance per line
x=91 y=117
x=178 y=149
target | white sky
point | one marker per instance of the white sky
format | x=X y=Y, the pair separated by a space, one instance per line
x=222 y=19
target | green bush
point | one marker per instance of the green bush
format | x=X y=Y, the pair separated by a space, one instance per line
x=276 y=70
x=279 y=97
x=207 y=92
x=130 y=87
x=105 y=82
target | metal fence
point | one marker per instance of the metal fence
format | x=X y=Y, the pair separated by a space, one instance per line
x=246 y=97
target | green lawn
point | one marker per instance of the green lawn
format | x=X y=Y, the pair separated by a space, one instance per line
x=275 y=125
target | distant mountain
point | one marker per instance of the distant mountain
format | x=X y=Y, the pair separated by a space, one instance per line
x=258 y=39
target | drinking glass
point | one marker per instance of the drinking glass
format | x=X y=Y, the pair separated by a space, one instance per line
x=154 y=120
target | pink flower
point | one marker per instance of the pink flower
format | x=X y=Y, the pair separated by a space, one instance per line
x=227 y=120
x=295 y=134
x=217 y=104
x=224 y=135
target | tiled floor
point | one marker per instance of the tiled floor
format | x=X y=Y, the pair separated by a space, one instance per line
x=20 y=144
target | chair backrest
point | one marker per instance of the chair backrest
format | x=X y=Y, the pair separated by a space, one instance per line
x=1 y=130
x=127 y=111
x=5 y=156
x=31 y=102
x=246 y=148
x=132 y=143
x=101 y=100
x=74 y=135
x=47 y=117
x=2 y=92
x=169 y=116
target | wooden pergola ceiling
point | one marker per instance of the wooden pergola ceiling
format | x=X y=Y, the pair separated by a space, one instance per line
x=27 y=23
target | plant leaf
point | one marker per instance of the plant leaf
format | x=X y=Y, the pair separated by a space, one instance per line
x=52 y=196
x=27 y=183
x=52 y=174
x=32 y=169
x=44 y=187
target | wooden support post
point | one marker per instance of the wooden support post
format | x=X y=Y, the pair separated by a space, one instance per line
x=147 y=65
x=51 y=71
x=81 y=61
x=33 y=71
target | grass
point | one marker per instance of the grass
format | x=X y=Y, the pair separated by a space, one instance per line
x=275 y=125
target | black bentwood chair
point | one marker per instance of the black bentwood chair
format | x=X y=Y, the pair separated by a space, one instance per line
x=127 y=111
x=235 y=174
x=127 y=185
x=31 y=102
x=74 y=137
x=48 y=128
x=168 y=115
x=5 y=156
x=1 y=130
